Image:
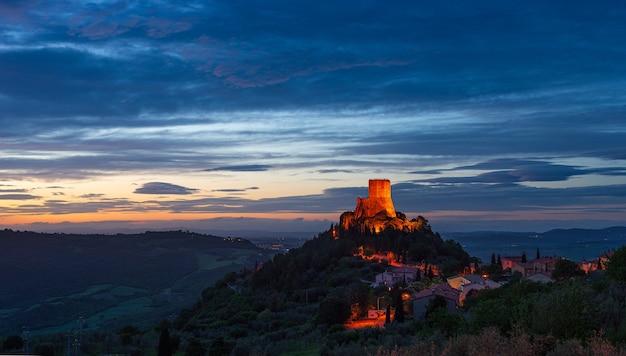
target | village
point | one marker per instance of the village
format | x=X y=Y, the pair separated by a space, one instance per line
x=424 y=282
x=455 y=289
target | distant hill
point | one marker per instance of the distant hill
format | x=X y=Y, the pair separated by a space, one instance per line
x=48 y=281
x=574 y=244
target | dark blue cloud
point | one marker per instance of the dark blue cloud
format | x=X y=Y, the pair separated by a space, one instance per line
x=517 y=170
x=163 y=189
x=18 y=197
x=242 y=168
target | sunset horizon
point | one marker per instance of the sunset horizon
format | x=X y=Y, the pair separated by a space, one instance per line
x=493 y=116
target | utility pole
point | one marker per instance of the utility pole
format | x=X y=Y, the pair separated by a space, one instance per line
x=69 y=344
x=81 y=320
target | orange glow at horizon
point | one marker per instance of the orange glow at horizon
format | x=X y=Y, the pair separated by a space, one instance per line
x=151 y=216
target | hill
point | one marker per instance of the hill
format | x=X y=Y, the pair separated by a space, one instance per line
x=574 y=244
x=51 y=280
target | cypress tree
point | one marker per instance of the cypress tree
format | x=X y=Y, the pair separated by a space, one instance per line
x=165 y=343
x=398 y=316
x=388 y=314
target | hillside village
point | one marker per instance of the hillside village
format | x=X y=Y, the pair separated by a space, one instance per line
x=376 y=213
x=455 y=289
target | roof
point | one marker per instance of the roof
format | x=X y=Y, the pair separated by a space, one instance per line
x=526 y=265
x=442 y=289
x=474 y=278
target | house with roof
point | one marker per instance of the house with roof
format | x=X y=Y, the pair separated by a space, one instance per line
x=510 y=261
x=589 y=266
x=397 y=275
x=470 y=282
x=422 y=298
x=545 y=263
x=525 y=268
x=458 y=281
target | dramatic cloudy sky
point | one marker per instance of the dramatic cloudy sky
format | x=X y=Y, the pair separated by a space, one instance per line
x=272 y=114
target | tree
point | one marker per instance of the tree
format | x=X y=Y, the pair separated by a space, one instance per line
x=566 y=269
x=499 y=262
x=429 y=273
x=538 y=255
x=126 y=334
x=524 y=260
x=493 y=258
x=46 y=349
x=398 y=316
x=219 y=347
x=388 y=314
x=616 y=267
x=13 y=342
x=165 y=343
x=438 y=302
x=194 y=348
x=334 y=310
x=448 y=323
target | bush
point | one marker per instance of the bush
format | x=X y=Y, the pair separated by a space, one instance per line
x=334 y=310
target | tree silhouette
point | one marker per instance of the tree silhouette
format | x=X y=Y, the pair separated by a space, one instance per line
x=194 y=348
x=165 y=343
x=334 y=310
x=13 y=342
x=388 y=314
x=566 y=269
x=616 y=267
x=398 y=316
x=219 y=347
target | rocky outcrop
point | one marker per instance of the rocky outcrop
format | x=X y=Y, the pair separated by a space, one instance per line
x=376 y=212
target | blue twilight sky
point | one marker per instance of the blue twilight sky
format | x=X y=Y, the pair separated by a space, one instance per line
x=242 y=114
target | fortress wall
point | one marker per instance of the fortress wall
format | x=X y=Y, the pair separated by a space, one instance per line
x=379 y=188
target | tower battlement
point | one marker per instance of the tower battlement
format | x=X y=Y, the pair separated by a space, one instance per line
x=379 y=188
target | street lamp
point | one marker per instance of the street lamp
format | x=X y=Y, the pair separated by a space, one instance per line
x=378 y=302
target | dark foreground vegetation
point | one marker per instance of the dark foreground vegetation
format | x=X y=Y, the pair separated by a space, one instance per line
x=298 y=304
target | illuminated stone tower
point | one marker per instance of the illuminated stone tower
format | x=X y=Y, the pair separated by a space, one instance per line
x=379 y=199
x=376 y=213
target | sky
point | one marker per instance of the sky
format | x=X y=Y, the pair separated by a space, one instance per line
x=273 y=115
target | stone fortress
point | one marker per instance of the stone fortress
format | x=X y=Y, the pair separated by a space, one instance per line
x=376 y=213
